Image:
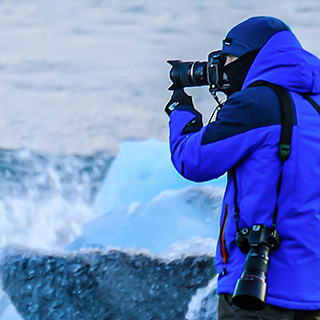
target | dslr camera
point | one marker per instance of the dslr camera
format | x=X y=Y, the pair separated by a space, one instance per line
x=200 y=73
x=257 y=242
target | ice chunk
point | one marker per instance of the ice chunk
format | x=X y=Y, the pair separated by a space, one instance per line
x=141 y=171
x=171 y=217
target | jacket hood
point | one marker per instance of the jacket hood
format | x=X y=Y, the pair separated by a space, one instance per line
x=284 y=62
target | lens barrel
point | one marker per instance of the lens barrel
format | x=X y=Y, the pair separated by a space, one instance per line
x=251 y=288
x=188 y=74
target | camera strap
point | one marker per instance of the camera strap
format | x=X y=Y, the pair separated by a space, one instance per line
x=284 y=148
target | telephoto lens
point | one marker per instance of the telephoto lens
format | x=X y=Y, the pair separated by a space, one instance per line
x=251 y=288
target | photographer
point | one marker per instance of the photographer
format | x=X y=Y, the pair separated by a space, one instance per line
x=267 y=137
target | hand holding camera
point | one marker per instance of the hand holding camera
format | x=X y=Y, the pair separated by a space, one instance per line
x=179 y=97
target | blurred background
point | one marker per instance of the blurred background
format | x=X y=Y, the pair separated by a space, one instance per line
x=81 y=76
x=84 y=158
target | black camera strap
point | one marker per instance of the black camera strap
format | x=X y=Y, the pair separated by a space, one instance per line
x=313 y=103
x=284 y=148
x=286 y=105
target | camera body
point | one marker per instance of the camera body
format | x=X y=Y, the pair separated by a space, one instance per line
x=258 y=234
x=200 y=73
x=257 y=242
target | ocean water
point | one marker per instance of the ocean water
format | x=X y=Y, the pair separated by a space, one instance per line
x=45 y=199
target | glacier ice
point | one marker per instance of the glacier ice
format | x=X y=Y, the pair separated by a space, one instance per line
x=170 y=218
x=145 y=204
x=141 y=171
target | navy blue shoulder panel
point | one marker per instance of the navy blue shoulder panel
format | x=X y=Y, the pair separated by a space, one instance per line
x=245 y=110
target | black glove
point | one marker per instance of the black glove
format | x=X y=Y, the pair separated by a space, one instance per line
x=179 y=97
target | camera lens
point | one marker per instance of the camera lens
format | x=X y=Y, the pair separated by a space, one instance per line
x=198 y=73
x=188 y=74
x=251 y=288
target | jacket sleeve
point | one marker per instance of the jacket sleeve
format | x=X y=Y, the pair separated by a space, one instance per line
x=210 y=151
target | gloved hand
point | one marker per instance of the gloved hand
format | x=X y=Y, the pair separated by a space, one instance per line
x=179 y=97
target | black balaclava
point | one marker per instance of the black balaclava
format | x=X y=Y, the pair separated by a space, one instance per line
x=237 y=70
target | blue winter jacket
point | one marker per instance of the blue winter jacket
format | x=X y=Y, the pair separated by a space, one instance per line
x=245 y=136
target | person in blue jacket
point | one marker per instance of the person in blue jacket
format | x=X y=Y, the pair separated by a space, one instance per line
x=244 y=140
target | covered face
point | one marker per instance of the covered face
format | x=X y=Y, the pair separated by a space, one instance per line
x=245 y=41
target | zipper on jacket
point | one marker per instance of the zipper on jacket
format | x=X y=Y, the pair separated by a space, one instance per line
x=222 y=240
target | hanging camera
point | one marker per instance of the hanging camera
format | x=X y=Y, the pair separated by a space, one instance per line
x=257 y=242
